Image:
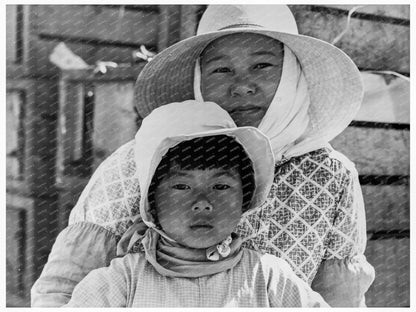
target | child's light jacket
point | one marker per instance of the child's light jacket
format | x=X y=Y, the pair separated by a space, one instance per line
x=256 y=281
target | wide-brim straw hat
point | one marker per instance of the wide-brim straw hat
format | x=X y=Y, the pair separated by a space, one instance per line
x=334 y=82
x=169 y=125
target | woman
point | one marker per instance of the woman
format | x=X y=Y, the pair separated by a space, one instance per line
x=301 y=92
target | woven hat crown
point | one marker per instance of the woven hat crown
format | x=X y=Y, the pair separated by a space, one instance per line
x=222 y=17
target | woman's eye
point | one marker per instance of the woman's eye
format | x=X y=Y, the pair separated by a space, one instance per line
x=181 y=186
x=262 y=65
x=221 y=187
x=221 y=70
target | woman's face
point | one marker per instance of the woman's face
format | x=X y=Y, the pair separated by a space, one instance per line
x=241 y=73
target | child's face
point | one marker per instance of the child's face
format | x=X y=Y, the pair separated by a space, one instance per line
x=241 y=73
x=199 y=208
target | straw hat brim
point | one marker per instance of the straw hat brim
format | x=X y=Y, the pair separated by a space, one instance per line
x=334 y=82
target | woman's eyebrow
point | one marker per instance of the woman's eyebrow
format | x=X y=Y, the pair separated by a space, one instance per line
x=216 y=58
x=177 y=173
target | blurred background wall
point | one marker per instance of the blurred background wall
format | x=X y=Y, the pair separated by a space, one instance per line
x=67 y=113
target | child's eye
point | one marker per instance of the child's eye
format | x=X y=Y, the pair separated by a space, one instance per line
x=262 y=65
x=181 y=186
x=221 y=187
x=222 y=70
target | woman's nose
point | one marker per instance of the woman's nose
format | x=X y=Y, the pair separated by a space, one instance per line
x=202 y=205
x=243 y=89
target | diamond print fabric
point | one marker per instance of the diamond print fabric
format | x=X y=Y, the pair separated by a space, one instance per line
x=111 y=198
x=311 y=213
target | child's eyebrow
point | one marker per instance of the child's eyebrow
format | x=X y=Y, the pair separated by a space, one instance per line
x=260 y=53
x=226 y=173
x=215 y=175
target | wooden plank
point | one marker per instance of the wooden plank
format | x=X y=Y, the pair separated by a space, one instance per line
x=115 y=100
x=45 y=229
x=98 y=22
x=16 y=301
x=169 y=26
x=15 y=251
x=44 y=220
x=387 y=207
x=26 y=89
x=17 y=40
x=14 y=135
x=11 y=33
x=74 y=120
x=376 y=151
x=390 y=258
x=189 y=20
x=15 y=205
x=45 y=144
x=396 y=11
x=163 y=37
x=372 y=45
x=70 y=188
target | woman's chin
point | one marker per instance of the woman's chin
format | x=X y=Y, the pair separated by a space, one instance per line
x=243 y=121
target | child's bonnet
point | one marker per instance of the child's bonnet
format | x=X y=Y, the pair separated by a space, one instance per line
x=164 y=128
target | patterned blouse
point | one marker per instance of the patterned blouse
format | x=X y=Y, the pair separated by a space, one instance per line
x=314 y=211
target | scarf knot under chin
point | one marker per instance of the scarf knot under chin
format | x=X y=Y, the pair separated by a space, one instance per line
x=174 y=260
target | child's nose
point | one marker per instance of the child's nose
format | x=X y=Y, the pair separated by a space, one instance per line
x=202 y=205
x=243 y=88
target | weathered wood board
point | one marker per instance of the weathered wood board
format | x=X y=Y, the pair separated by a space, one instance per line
x=115 y=100
x=371 y=44
x=390 y=258
x=98 y=23
x=387 y=207
x=376 y=151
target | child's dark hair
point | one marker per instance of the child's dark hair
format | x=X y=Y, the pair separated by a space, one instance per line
x=210 y=152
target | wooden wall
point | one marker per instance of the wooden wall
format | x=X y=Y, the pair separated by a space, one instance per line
x=378 y=141
x=55 y=140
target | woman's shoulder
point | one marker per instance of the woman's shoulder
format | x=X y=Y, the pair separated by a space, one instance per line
x=321 y=165
x=327 y=157
x=100 y=201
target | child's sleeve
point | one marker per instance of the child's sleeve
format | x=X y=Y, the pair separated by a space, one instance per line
x=103 y=287
x=286 y=289
x=79 y=249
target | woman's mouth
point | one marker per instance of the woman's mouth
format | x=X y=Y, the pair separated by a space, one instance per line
x=246 y=109
x=201 y=226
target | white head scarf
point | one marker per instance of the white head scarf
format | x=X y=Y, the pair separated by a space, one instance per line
x=287 y=116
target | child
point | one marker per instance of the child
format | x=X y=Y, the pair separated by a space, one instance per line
x=190 y=206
